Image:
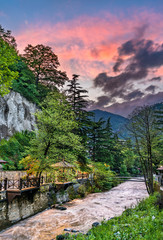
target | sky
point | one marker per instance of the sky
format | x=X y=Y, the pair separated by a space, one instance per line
x=116 y=46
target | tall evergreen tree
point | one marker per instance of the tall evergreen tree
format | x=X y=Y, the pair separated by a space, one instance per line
x=104 y=145
x=76 y=96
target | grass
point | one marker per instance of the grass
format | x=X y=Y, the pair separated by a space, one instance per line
x=142 y=222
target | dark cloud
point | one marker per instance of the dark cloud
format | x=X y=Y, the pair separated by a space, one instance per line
x=136 y=58
x=133 y=95
x=155 y=79
x=127 y=107
x=102 y=101
x=117 y=65
x=151 y=88
x=111 y=84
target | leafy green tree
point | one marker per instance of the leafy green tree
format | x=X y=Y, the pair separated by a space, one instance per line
x=54 y=139
x=25 y=83
x=159 y=124
x=13 y=150
x=44 y=64
x=8 y=57
x=142 y=127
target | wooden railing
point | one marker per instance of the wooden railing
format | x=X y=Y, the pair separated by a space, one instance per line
x=21 y=183
x=28 y=182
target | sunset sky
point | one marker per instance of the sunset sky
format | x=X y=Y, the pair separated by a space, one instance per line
x=116 y=46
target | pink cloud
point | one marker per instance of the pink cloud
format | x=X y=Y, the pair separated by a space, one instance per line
x=88 y=45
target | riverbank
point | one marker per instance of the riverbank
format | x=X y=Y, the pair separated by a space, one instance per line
x=80 y=213
x=142 y=222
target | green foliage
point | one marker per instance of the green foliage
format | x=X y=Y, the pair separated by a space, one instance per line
x=82 y=190
x=142 y=222
x=8 y=57
x=103 y=177
x=25 y=84
x=54 y=140
x=13 y=150
x=104 y=145
x=77 y=98
x=142 y=127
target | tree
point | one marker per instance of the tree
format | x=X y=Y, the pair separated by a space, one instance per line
x=77 y=97
x=96 y=138
x=54 y=139
x=143 y=130
x=7 y=37
x=44 y=64
x=104 y=145
x=159 y=124
x=25 y=83
x=12 y=150
x=8 y=57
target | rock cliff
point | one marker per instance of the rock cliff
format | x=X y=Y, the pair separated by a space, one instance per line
x=16 y=114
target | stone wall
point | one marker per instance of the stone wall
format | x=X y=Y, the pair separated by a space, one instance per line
x=34 y=201
x=21 y=207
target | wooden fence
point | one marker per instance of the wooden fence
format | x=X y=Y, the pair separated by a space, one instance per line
x=27 y=182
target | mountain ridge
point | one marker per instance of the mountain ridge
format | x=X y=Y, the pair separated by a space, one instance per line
x=117 y=121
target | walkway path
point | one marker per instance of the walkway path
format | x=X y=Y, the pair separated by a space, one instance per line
x=80 y=214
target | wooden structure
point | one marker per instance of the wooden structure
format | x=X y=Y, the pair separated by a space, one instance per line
x=63 y=164
x=15 y=187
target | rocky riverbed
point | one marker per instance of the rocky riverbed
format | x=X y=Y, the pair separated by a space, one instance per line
x=80 y=213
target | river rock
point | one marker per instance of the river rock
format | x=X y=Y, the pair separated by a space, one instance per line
x=61 y=208
x=95 y=224
x=16 y=114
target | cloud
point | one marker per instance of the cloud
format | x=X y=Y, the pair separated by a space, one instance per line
x=120 y=53
x=127 y=107
x=151 y=88
x=133 y=95
x=139 y=57
x=90 y=41
x=155 y=79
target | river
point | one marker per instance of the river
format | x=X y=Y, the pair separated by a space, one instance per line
x=80 y=213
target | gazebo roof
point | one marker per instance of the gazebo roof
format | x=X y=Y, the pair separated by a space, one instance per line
x=63 y=164
x=2 y=161
x=160 y=168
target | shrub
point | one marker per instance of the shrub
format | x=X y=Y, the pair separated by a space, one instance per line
x=103 y=178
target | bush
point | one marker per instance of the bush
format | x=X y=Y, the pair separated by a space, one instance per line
x=103 y=178
x=13 y=150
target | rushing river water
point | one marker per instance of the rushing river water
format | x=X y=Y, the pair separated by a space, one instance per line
x=80 y=213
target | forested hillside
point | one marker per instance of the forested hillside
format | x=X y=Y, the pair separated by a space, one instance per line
x=117 y=121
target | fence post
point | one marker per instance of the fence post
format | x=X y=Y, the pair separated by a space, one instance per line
x=5 y=184
x=20 y=183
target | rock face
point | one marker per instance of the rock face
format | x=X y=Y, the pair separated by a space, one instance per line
x=16 y=114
